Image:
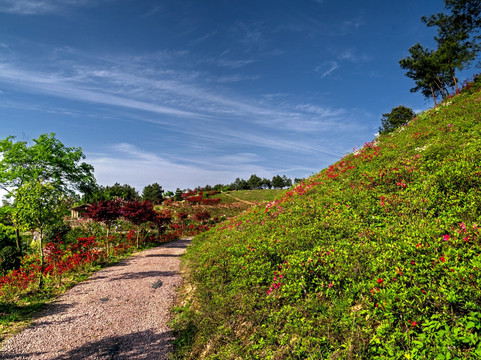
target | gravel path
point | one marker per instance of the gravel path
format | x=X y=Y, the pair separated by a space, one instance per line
x=121 y=312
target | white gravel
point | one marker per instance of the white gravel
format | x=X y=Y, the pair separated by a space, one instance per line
x=121 y=312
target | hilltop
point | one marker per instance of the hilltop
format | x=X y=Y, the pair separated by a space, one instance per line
x=376 y=256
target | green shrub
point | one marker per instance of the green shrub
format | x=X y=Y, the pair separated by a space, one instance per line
x=57 y=233
x=376 y=257
x=9 y=258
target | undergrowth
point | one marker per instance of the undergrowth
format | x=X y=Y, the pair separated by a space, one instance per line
x=375 y=257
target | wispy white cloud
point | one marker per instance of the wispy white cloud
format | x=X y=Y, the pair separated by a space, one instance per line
x=321 y=110
x=152 y=11
x=235 y=78
x=39 y=7
x=124 y=162
x=235 y=64
x=331 y=67
x=351 y=56
x=60 y=86
x=189 y=102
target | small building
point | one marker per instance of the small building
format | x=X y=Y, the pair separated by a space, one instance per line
x=77 y=212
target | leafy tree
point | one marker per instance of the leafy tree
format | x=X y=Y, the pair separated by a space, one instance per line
x=398 y=116
x=456 y=49
x=466 y=14
x=254 y=182
x=106 y=212
x=240 y=184
x=47 y=162
x=178 y=195
x=218 y=187
x=266 y=183
x=138 y=213
x=287 y=181
x=153 y=193
x=94 y=194
x=125 y=192
x=162 y=219
x=169 y=194
x=39 y=207
x=278 y=182
x=429 y=74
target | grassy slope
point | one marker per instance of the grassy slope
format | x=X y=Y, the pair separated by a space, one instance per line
x=253 y=196
x=375 y=257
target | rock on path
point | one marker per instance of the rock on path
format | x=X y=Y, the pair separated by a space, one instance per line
x=121 y=312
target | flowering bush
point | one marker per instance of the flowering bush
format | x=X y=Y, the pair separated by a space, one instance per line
x=378 y=256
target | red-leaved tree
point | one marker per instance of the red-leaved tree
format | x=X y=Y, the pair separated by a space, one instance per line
x=138 y=213
x=162 y=219
x=106 y=212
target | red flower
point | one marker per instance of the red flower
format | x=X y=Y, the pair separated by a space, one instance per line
x=379 y=281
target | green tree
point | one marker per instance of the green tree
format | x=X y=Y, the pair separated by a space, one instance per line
x=429 y=74
x=154 y=193
x=254 y=182
x=456 y=48
x=240 y=184
x=39 y=206
x=287 y=181
x=46 y=161
x=125 y=192
x=398 y=116
x=266 y=183
x=278 y=182
x=178 y=195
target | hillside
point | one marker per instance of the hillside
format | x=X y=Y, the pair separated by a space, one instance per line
x=375 y=257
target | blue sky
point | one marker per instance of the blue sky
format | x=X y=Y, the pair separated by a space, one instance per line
x=187 y=93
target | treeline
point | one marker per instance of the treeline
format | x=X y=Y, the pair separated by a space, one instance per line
x=156 y=194
x=254 y=183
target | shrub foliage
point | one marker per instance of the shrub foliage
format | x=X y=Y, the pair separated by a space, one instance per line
x=375 y=257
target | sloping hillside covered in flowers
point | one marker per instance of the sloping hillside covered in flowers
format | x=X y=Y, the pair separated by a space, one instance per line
x=377 y=256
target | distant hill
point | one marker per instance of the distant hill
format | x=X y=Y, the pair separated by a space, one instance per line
x=375 y=257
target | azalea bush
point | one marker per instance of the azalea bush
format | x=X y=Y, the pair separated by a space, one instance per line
x=375 y=257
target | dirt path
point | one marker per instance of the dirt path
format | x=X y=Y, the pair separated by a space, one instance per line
x=240 y=200
x=121 y=312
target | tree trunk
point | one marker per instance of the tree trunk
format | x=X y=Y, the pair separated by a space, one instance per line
x=42 y=260
x=107 y=240
x=455 y=82
x=17 y=236
x=434 y=98
x=441 y=87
